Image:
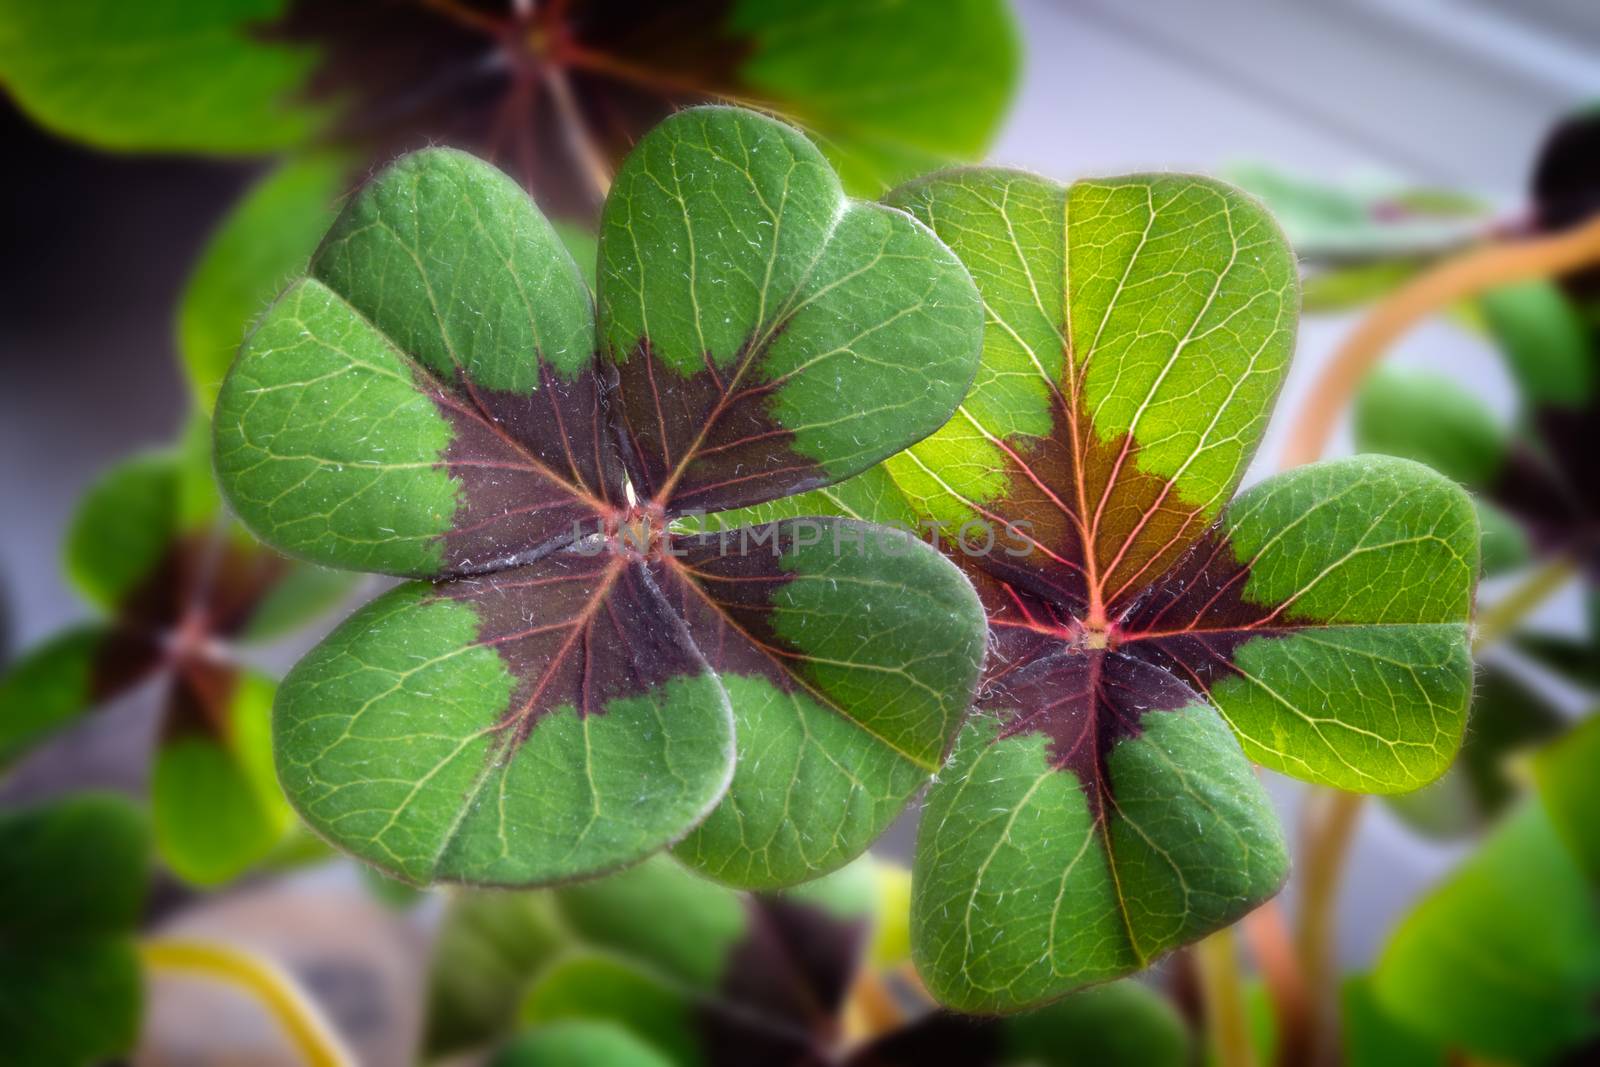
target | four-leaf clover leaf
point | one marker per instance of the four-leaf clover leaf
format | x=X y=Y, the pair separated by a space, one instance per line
x=439 y=398
x=1151 y=638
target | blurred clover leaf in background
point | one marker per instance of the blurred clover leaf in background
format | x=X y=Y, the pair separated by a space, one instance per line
x=72 y=888
x=1501 y=961
x=1532 y=479
x=556 y=91
x=1536 y=480
x=180 y=591
x=1153 y=639
x=513 y=80
x=441 y=399
x=740 y=978
x=184 y=76
x=1359 y=238
x=1536 y=492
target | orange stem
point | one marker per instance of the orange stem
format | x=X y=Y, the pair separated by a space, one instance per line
x=1266 y=934
x=1331 y=819
x=1455 y=279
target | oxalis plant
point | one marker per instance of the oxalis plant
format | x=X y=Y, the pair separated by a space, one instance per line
x=181 y=595
x=741 y=978
x=566 y=696
x=1150 y=638
x=440 y=399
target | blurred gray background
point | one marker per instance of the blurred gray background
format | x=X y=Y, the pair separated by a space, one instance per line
x=1445 y=91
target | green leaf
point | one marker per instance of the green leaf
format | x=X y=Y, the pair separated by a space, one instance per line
x=1544 y=340
x=430 y=402
x=304 y=592
x=215 y=804
x=1570 y=789
x=786 y=958
x=621 y=914
x=1431 y=419
x=266 y=240
x=1507 y=718
x=1545 y=482
x=579 y=1044
x=1025 y=889
x=123 y=528
x=770 y=335
x=489 y=947
x=49 y=687
x=858 y=77
x=1343 y=288
x=1373 y=1039
x=492 y=946
x=72 y=882
x=1121 y=1024
x=849 y=653
x=1365 y=218
x=1138 y=331
x=1503 y=959
x=731 y=978
x=440 y=309
x=592 y=986
x=1176 y=408
x=183 y=76
x=1505 y=545
x=199 y=503
x=442 y=734
x=1337 y=624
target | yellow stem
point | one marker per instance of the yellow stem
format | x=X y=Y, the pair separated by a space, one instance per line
x=300 y=1020
x=1222 y=990
x=1455 y=279
x=1503 y=616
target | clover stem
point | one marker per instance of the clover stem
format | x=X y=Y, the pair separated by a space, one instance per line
x=310 y=1034
x=1504 y=614
x=1266 y=935
x=1216 y=961
x=1330 y=818
x=576 y=130
x=466 y=16
x=1468 y=274
x=871 y=1009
